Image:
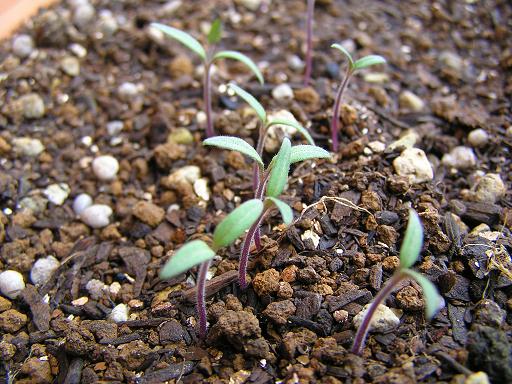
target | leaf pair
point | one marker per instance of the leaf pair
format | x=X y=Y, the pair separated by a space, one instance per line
x=228 y=230
x=262 y=115
x=213 y=38
x=298 y=153
x=409 y=254
x=364 y=62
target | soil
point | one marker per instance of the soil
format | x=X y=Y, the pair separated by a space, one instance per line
x=294 y=322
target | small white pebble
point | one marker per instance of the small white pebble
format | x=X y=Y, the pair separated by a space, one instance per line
x=22 y=46
x=27 y=146
x=478 y=137
x=377 y=146
x=114 y=127
x=384 y=319
x=114 y=288
x=460 y=158
x=95 y=288
x=83 y=14
x=105 y=167
x=119 y=313
x=57 y=193
x=70 y=66
x=128 y=90
x=81 y=202
x=282 y=92
x=80 y=301
x=313 y=236
x=43 y=269
x=295 y=63
x=11 y=283
x=96 y=216
x=409 y=100
x=201 y=189
x=78 y=50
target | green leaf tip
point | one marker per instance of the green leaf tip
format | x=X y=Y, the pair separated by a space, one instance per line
x=368 y=61
x=215 y=33
x=234 y=55
x=281 y=167
x=347 y=54
x=307 y=152
x=303 y=131
x=237 y=222
x=188 y=256
x=433 y=300
x=413 y=241
x=183 y=37
x=284 y=209
x=234 y=144
x=251 y=100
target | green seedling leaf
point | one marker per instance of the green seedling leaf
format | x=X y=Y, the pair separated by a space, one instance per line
x=234 y=144
x=191 y=254
x=280 y=168
x=345 y=52
x=284 y=209
x=368 y=61
x=215 y=33
x=303 y=131
x=433 y=300
x=237 y=222
x=306 y=152
x=183 y=37
x=251 y=100
x=243 y=59
x=413 y=241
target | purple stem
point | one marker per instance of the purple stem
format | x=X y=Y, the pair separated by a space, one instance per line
x=246 y=247
x=207 y=99
x=257 y=239
x=336 y=111
x=309 y=42
x=201 y=303
x=362 y=332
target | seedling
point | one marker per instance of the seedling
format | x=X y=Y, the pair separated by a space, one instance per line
x=409 y=253
x=353 y=66
x=309 y=41
x=271 y=183
x=198 y=252
x=208 y=56
x=265 y=125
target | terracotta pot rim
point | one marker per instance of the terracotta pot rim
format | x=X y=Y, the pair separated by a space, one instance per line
x=14 y=12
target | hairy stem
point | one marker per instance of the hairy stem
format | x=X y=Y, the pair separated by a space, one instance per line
x=201 y=303
x=336 y=111
x=309 y=42
x=207 y=99
x=364 y=328
x=256 y=173
x=246 y=248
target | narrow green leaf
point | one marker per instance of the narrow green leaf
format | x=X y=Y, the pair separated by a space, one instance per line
x=303 y=131
x=306 y=152
x=345 y=52
x=368 y=61
x=433 y=300
x=281 y=167
x=243 y=59
x=413 y=241
x=237 y=222
x=234 y=144
x=191 y=254
x=183 y=37
x=215 y=33
x=284 y=209
x=251 y=100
